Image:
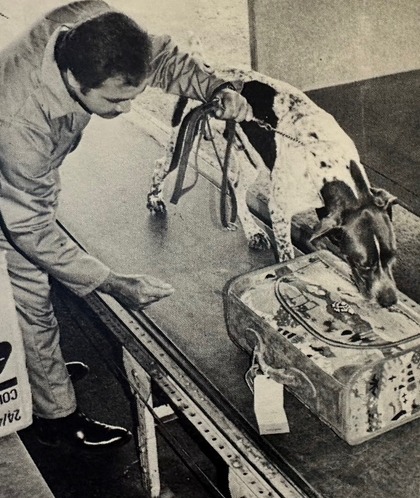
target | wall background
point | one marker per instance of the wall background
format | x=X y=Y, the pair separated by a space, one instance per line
x=318 y=43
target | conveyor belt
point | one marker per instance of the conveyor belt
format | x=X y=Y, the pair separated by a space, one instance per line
x=199 y=400
x=105 y=211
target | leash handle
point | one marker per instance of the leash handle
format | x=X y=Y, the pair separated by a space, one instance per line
x=182 y=150
x=184 y=144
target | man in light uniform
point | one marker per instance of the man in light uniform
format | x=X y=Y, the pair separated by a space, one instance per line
x=81 y=59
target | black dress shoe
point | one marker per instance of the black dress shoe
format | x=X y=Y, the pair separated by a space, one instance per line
x=81 y=432
x=77 y=370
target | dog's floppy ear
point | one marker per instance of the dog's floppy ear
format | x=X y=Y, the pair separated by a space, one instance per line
x=382 y=198
x=325 y=226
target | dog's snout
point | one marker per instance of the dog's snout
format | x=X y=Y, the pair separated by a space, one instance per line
x=387 y=297
x=379 y=287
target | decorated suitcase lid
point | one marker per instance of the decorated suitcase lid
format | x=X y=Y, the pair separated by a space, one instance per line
x=314 y=303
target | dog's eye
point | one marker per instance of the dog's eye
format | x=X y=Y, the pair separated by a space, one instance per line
x=362 y=268
x=336 y=236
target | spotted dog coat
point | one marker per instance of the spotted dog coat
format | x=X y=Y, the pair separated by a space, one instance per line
x=313 y=163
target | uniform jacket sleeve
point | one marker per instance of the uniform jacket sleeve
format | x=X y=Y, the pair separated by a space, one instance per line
x=179 y=73
x=29 y=188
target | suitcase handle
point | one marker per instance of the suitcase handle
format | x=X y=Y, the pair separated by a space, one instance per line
x=289 y=376
x=333 y=342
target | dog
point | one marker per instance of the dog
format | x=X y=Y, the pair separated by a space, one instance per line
x=313 y=163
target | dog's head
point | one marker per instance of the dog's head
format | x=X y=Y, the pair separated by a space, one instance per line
x=361 y=226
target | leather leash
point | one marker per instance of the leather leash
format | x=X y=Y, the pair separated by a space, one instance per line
x=196 y=118
x=226 y=187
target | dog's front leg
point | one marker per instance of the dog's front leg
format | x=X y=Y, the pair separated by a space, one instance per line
x=281 y=219
x=155 y=201
x=242 y=174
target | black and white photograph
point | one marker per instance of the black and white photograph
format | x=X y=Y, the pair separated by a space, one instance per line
x=209 y=249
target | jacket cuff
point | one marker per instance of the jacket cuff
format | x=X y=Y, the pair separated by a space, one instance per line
x=236 y=86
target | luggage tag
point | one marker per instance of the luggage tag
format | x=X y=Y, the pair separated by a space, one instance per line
x=268 y=398
x=269 y=406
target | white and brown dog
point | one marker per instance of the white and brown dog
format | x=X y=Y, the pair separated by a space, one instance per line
x=313 y=164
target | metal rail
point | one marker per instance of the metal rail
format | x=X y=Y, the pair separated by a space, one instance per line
x=258 y=477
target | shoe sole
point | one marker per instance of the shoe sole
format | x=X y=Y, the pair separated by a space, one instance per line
x=87 y=448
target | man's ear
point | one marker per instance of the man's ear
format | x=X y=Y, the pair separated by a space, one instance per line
x=71 y=80
x=325 y=226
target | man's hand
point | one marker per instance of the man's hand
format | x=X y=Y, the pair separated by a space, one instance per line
x=135 y=291
x=232 y=105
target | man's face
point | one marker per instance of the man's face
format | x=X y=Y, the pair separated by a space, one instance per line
x=109 y=100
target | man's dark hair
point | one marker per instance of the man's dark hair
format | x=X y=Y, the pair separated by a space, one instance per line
x=106 y=46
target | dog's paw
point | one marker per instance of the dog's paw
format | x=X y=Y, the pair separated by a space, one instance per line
x=231 y=227
x=155 y=204
x=259 y=241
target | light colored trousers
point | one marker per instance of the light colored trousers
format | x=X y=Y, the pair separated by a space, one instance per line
x=52 y=391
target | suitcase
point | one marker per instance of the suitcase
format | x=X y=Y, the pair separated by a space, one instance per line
x=352 y=363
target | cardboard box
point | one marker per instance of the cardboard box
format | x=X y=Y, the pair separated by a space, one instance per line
x=15 y=393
